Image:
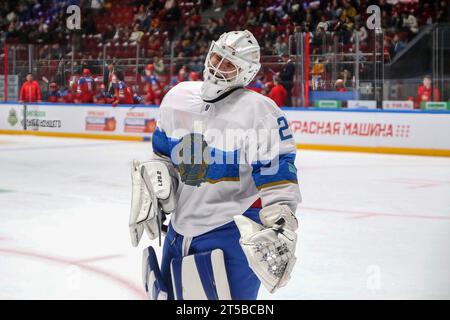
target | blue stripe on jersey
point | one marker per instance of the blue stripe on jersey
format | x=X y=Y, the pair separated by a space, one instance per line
x=223 y=165
x=160 y=143
x=278 y=171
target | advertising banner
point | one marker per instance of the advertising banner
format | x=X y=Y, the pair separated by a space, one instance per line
x=80 y=119
x=398 y=105
x=361 y=104
x=426 y=130
x=371 y=129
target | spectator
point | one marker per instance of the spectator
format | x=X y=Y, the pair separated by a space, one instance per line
x=397 y=46
x=30 y=91
x=278 y=93
x=218 y=4
x=360 y=31
x=136 y=35
x=193 y=76
x=280 y=47
x=339 y=85
x=108 y=75
x=220 y=28
x=287 y=77
x=97 y=4
x=154 y=45
x=345 y=75
x=158 y=65
x=108 y=34
x=426 y=92
x=317 y=73
x=141 y=15
x=409 y=22
x=182 y=76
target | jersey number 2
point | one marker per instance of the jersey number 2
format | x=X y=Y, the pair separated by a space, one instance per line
x=284 y=134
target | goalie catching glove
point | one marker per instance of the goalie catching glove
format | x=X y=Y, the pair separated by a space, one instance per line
x=270 y=248
x=154 y=194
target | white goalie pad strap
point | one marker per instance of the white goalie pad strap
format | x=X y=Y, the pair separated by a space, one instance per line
x=270 y=252
x=154 y=285
x=153 y=188
x=200 y=276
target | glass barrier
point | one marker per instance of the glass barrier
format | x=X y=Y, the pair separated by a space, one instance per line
x=319 y=69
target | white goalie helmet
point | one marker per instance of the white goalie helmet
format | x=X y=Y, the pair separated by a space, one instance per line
x=239 y=51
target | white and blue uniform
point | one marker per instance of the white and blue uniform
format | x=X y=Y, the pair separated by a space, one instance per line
x=226 y=181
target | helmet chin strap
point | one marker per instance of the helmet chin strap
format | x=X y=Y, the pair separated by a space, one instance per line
x=209 y=92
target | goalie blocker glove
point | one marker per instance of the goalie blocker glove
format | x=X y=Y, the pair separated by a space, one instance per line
x=154 y=194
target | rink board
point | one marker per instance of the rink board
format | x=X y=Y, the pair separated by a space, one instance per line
x=384 y=131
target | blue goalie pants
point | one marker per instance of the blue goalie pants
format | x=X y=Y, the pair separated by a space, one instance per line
x=243 y=283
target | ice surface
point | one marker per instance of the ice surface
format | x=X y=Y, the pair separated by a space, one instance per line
x=371 y=226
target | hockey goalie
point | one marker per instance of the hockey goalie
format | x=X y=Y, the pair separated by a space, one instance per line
x=223 y=167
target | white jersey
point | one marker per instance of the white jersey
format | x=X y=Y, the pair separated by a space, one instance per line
x=223 y=171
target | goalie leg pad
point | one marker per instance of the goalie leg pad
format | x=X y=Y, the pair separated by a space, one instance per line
x=200 y=276
x=154 y=284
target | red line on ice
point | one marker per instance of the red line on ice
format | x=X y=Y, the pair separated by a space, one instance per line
x=137 y=291
x=93 y=259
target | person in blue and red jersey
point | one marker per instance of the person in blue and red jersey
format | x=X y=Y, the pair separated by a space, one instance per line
x=122 y=93
x=86 y=87
x=102 y=96
x=30 y=91
x=154 y=87
x=54 y=94
x=67 y=95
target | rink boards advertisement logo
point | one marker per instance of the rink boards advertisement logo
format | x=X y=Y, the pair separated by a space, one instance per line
x=398 y=105
x=12 y=118
x=36 y=119
x=139 y=122
x=100 y=121
x=361 y=129
x=361 y=104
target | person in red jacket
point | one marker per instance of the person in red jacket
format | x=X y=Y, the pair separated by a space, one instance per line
x=426 y=93
x=30 y=91
x=278 y=93
x=86 y=87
